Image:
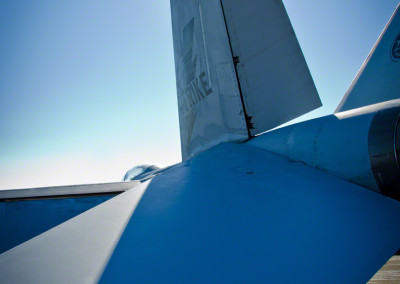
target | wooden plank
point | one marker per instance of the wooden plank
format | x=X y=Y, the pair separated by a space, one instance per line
x=389 y=273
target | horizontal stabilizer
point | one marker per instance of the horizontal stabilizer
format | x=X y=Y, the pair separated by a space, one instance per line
x=26 y=213
x=379 y=77
x=75 y=251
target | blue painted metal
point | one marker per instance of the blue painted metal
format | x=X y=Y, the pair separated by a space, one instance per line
x=23 y=220
x=236 y=213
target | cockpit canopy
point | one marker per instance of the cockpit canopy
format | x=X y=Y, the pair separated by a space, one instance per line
x=138 y=172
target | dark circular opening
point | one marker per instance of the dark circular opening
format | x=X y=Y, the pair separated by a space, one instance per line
x=397 y=142
x=384 y=150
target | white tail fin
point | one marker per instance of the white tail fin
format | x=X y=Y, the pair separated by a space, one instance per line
x=379 y=77
x=239 y=70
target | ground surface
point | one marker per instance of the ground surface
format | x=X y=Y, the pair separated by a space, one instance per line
x=389 y=273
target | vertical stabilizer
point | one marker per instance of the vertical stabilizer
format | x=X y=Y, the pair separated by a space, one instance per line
x=274 y=77
x=239 y=70
x=379 y=77
x=210 y=109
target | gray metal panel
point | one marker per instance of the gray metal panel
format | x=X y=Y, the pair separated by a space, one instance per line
x=274 y=78
x=25 y=219
x=336 y=145
x=67 y=191
x=210 y=108
x=379 y=77
x=76 y=251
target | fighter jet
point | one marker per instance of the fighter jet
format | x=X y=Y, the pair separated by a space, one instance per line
x=312 y=202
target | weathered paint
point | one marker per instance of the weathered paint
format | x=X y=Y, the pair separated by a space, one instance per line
x=239 y=71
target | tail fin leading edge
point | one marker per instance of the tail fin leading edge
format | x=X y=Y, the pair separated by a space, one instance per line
x=379 y=77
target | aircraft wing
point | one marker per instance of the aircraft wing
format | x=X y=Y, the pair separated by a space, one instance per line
x=234 y=213
x=26 y=213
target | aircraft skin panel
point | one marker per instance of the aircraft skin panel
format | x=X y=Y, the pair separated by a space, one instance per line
x=378 y=80
x=233 y=84
x=66 y=191
x=210 y=108
x=75 y=251
x=236 y=213
x=233 y=212
x=274 y=77
x=20 y=221
x=26 y=213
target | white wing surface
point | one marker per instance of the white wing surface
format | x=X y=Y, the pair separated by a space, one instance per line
x=26 y=213
x=75 y=251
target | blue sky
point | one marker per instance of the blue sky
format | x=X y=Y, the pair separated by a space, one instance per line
x=87 y=88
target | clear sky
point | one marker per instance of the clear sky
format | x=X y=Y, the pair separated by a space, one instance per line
x=87 y=88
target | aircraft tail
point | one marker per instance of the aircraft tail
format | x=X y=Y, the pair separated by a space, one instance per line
x=239 y=68
x=379 y=77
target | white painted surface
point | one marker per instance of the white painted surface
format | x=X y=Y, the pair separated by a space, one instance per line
x=55 y=191
x=210 y=108
x=274 y=77
x=378 y=79
x=76 y=251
